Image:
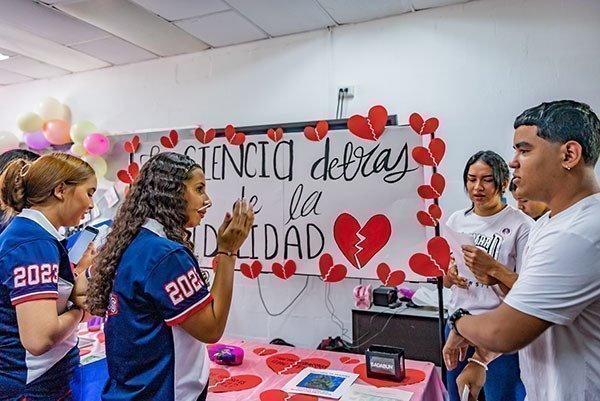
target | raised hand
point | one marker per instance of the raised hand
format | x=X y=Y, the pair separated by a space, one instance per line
x=235 y=227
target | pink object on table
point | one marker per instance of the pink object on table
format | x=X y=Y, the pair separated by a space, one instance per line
x=94 y=324
x=226 y=354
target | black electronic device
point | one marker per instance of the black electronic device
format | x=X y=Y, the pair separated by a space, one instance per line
x=385 y=363
x=384 y=296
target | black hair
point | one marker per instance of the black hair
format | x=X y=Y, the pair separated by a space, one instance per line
x=15 y=154
x=566 y=120
x=496 y=163
x=512 y=187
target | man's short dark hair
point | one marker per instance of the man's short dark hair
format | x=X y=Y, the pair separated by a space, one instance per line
x=15 y=154
x=566 y=120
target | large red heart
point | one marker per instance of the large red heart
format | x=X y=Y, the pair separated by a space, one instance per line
x=284 y=271
x=388 y=277
x=413 y=376
x=280 y=395
x=262 y=351
x=171 y=140
x=369 y=128
x=432 y=155
x=360 y=249
x=422 y=127
x=275 y=134
x=346 y=360
x=128 y=176
x=205 y=137
x=431 y=217
x=234 y=138
x=132 y=146
x=435 y=190
x=251 y=271
x=288 y=364
x=220 y=381
x=331 y=273
x=436 y=262
x=317 y=133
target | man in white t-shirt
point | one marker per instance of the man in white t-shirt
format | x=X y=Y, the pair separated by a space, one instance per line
x=552 y=313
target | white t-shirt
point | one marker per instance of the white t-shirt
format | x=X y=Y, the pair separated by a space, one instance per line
x=560 y=283
x=503 y=236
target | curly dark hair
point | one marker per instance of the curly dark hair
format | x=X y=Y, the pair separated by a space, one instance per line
x=157 y=193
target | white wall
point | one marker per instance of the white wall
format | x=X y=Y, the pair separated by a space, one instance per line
x=475 y=66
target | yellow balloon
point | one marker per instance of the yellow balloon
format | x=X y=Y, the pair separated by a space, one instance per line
x=29 y=122
x=81 y=129
x=78 y=150
x=50 y=109
x=66 y=113
x=98 y=164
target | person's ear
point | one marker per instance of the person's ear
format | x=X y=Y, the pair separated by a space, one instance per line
x=59 y=191
x=572 y=154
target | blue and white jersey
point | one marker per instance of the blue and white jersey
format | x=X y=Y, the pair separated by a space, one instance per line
x=150 y=357
x=33 y=265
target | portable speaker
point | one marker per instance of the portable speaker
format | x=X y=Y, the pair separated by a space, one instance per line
x=384 y=296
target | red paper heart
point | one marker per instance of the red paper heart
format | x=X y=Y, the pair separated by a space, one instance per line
x=234 y=138
x=388 y=277
x=220 y=381
x=284 y=271
x=251 y=271
x=205 y=137
x=101 y=337
x=431 y=217
x=128 y=176
x=439 y=250
x=329 y=272
x=360 y=249
x=413 y=376
x=348 y=361
x=432 y=155
x=132 y=146
x=262 y=351
x=280 y=395
x=435 y=190
x=83 y=352
x=369 y=128
x=436 y=262
x=423 y=127
x=171 y=140
x=288 y=364
x=318 y=132
x=275 y=134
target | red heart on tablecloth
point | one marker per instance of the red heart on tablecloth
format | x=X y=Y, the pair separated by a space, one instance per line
x=431 y=217
x=331 y=273
x=220 y=381
x=280 y=395
x=275 y=134
x=436 y=262
x=433 y=191
x=83 y=352
x=413 y=376
x=348 y=361
x=132 y=146
x=205 y=137
x=422 y=127
x=287 y=364
x=101 y=337
x=371 y=127
x=251 y=271
x=170 y=141
x=234 y=138
x=431 y=155
x=388 y=277
x=262 y=351
x=360 y=244
x=284 y=271
x=128 y=176
x=318 y=132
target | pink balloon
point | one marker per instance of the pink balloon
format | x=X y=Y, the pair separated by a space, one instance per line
x=96 y=144
x=57 y=132
x=36 y=140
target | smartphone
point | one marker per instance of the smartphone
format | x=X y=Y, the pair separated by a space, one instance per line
x=86 y=236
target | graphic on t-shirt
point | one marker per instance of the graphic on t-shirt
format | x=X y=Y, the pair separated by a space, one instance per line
x=489 y=244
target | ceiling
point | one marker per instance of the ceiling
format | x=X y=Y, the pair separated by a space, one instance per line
x=50 y=38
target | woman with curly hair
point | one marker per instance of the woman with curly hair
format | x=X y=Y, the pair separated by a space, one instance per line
x=147 y=281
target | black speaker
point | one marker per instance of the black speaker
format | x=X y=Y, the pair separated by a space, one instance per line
x=384 y=296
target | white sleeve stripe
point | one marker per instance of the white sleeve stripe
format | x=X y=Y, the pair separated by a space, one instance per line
x=33 y=294
x=189 y=308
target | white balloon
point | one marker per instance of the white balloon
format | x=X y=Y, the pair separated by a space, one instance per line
x=66 y=115
x=8 y=141
x=50 y=109
x=81 y=129
x=29 y=122
x=78 y=150
x=98 y=164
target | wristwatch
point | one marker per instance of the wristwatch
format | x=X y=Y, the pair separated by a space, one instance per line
x=454 y=318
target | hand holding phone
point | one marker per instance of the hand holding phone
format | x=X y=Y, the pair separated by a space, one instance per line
x=86 y=236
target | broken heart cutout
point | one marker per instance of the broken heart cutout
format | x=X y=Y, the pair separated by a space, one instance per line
x=251 y=271
x=128 y=176
x=262 y=351
x=284 y=271
x=280 y=395
x=436 y=262
x=431 y=155
x=371 y=127
x=233 y=137
x=170 y=141
x=435 y=190
x=221 y=381
x=287 y=364
x=413 y=376
x=133 y=145
x=331 y=273
x=205 y=137
x=318 y=132
x=388 y=277
x=275 y=134
x=360 y=244
x=431 y=217
x=423 y=127
x=346 y=360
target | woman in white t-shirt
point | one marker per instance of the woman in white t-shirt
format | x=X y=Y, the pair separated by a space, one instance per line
x=500 y=231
